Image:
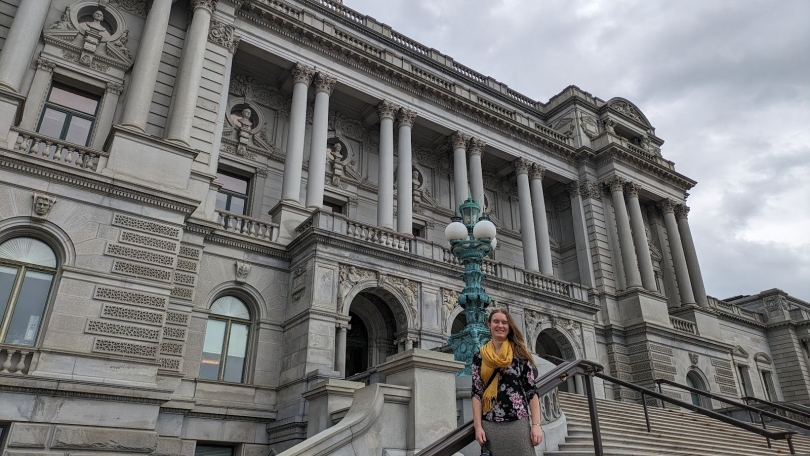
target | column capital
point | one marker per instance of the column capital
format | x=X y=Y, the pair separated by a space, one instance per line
x=459 y=140
x=406 y=116
x=324 y=83
x=632 y=189
x=45 y=65
x=615 y=184
x=477 y=146
x=210 y=5
x=590 y=189
x=538 y=171
x=115 y=88
x=387 y=110
x=682 y=211
x=667 y=206
x=302 y=73
x=574 y=189
x=521 y=166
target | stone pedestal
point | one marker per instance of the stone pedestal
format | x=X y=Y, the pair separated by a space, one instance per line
x=288 y=216
x=325 y=398
x=431 y=377
x=638 y=306
x=705 y=320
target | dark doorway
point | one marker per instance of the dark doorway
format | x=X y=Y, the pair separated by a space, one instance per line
x=356 y=346
x=458 y=324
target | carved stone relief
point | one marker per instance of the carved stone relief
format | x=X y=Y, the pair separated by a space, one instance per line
x=242 y=271
x=449 y=303
x=43 y=204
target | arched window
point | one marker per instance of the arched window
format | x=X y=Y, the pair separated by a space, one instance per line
x=27 y=270
x=693 y=380
x=226 y=341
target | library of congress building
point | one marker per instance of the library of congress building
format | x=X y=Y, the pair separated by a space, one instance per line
x=218 y=219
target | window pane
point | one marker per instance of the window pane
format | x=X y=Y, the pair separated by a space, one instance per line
x=73 y=99
x=222 y=201
x=230 y=306
x=237 y=348
x=29 y=309
x=210 y=450
x=52 y=123
x=237 y=205
x=7 y=276
x=212 y=349
x=28 y=250
x=233 y=183
x=78 y=131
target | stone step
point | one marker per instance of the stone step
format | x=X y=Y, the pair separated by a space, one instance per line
x=640 y=447
x=581 y=434
x=675 y=447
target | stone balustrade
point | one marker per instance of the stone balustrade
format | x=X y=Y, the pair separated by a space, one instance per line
x=546 y=284
x=247 y=226
x=683 y=325
x=728 y=308
x=16 y=360
x=55 y=150
x=379 y=236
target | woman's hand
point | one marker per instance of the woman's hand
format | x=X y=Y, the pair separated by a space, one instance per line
x=537 y=435
x=480 y=436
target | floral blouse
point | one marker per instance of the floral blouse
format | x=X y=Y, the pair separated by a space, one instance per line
x=515 y=390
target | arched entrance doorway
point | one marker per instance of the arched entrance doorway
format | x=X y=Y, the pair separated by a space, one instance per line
x=551 y=342
x=371 y=338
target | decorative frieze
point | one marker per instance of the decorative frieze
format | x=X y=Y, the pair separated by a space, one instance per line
x=145 y=256
x=172 y=364
x=129 y=314
x=145 y=272
x=185 y=279
x=130 y=237
x=721 y=363
x=222 y=34
x=182 y=293
x=130 y=297
x=125 y=348
x=136 y=7
x=187 y=265
x=171 y=348
x=173 y=332
x=178 y=318
x=146 y=226
x=122 y=330
x=190 y=252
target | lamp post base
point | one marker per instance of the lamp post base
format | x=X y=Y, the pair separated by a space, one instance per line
x=466 y=343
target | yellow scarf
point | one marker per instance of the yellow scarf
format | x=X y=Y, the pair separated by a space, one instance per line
x=490 y=362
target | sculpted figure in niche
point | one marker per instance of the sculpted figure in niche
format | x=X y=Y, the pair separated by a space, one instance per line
x=244 y=124
x=95 y=26
x=421 y=194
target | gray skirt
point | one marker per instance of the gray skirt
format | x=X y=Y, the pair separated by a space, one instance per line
x=509 y=438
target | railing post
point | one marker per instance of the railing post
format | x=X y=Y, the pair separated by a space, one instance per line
x=646 y=415
x=597 y=436
x=762 y=420
x=790 y=445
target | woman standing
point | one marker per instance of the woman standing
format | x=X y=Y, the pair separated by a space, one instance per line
x=503 y=391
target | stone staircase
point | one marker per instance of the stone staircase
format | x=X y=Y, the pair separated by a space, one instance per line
x=674 y=432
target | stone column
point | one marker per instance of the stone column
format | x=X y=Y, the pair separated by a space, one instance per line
x=640 y=238
x=105 y=118
x=320 y=128
x=695 y=276
x=145 y=70
x=37 y=93
x=184 y=97
x=584 y=259
x=476 y=170
x=404 y=173
x=676 y=248
x=385 y=177
x=340 y=350
x=540 y=220
x=459 y=168
x=291 y=185
x=530 y=262
x=21 y=41
x=631 y=274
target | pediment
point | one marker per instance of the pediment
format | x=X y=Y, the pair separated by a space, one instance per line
x=629 y=110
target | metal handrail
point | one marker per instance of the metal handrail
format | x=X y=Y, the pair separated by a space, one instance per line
x=787 y=408
x=456 y=440
x=779 y=435
x=750 y=409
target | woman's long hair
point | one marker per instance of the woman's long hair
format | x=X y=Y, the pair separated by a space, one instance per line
x=515 y=336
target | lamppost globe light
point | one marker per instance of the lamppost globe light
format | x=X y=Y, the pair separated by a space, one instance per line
x=494 y=243
x=484 y=229
x=455 y=231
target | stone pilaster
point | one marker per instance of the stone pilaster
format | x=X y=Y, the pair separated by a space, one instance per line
x=145 y=70
x=676 y=248
x=320 y=126
x=385 y=197
x=37 y=93
x=540 y=220
x=530 y=261
x=291 y=186
x=184 y=97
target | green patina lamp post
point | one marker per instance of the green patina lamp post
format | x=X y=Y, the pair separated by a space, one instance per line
x=471 y=237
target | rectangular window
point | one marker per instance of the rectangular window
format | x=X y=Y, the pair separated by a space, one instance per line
x=3 y=431
x=233 y=196
x=69 y=114
x=212 y=450
x=767 y=383
x=418 y=231
x=336 y=208
x=745 y=380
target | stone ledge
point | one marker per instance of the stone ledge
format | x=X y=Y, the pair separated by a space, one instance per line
x=87 y=438
x=420 y=359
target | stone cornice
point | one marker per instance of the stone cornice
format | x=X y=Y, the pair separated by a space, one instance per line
x=212 y=235
x=92 y=182
x=608 y=331
x=614 y=151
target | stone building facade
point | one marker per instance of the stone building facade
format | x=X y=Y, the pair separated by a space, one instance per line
x=208 y=207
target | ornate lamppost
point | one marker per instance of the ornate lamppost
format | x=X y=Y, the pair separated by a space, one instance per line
x=471 y=237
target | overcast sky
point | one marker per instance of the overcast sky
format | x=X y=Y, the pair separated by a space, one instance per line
x=725 y=83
